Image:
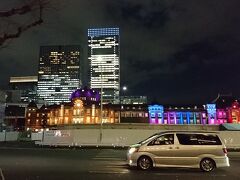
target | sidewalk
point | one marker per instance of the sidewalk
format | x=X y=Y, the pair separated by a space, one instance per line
x=31 y=144
x=17 y=144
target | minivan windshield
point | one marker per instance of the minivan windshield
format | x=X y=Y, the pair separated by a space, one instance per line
x=149 y=139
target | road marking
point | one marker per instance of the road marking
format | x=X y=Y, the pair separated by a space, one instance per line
x=107 y=159
x=107 y=156
x=190 y=174
x=108 y=172
x=2 y=176
x=116 y=166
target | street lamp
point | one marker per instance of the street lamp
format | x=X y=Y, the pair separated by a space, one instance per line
x=101 y=102
x=123 y=89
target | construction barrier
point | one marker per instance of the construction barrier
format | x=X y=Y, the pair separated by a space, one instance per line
x=9 y=136
x=111 y=137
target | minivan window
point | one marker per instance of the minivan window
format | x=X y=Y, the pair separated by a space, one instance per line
x=198 y=139
x=148 y=139
x=167 y=139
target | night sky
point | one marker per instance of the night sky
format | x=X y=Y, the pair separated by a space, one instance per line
x=173 y=51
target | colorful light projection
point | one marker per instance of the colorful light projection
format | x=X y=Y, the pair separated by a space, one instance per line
x=211 y=111
x=222 y=116
x=234 y=113
x=209 y=115
x=181 y=118
x=156 y=114
x=204 y=118
x=86 y=94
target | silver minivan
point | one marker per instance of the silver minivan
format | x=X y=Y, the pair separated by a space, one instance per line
x=204 y=150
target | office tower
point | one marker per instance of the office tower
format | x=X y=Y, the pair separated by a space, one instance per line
x=133 y=99
x=2 y=107
x=26 y=86
x=104 y=58
x=59 y=73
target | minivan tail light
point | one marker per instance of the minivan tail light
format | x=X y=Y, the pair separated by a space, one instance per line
x=225 y=150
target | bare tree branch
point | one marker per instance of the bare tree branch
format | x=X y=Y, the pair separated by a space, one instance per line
x=22 y=10
x=35 y=5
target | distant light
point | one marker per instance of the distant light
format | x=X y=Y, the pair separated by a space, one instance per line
x=58 y=133
x=99 y=58
x=124 y=88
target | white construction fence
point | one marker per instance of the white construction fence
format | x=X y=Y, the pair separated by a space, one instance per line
x=111 y=137
x=8 y=136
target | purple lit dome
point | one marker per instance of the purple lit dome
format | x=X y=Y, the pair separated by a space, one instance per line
x=85 y=94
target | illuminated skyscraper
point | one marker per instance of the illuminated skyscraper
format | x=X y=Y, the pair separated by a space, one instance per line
x=104 y=58
x=59 y=73
x=26 y=86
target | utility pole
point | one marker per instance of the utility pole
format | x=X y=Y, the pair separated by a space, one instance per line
x=101 y=102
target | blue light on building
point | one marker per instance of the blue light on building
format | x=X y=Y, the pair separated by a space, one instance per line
x=95 y=32
x=156 y=114
x=211 y=111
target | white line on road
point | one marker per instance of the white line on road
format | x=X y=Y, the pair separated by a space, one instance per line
x=108 y=172
x=190 y=174
x=2 y=176
x=107 y=159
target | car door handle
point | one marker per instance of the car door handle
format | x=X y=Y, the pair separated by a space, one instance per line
x=170 y=148
x=176 y=147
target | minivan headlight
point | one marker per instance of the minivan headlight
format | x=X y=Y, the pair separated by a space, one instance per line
x=132 y=150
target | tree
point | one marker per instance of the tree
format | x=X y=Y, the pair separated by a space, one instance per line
x=10 y=29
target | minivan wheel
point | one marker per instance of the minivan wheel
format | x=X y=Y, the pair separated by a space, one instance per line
x=207 y=165
x=145 y=163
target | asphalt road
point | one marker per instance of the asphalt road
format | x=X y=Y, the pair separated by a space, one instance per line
x=81 y=164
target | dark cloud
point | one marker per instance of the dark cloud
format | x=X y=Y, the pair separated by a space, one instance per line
x=177 y=51
x=151 y=14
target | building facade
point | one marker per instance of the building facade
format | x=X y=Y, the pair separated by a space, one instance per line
x=104 y=58
x=27 y=87
x=212 y=114
x=133 y=99
x=84 y=108
x=177 y=115
x=2 y=107
x=15 y=114
x=59 y=73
